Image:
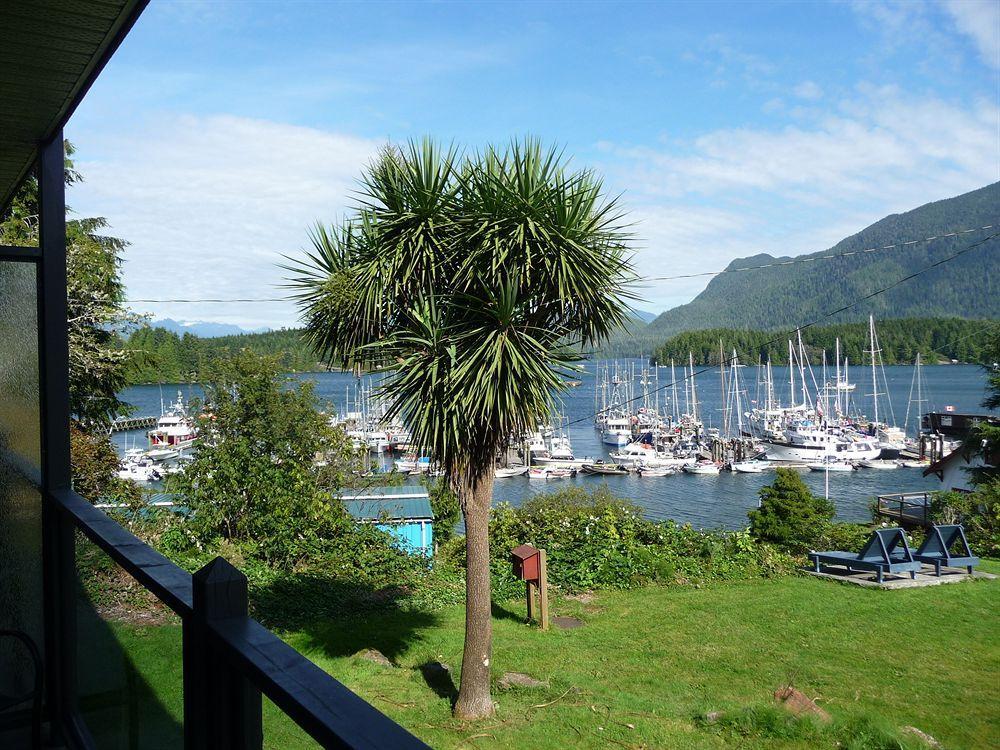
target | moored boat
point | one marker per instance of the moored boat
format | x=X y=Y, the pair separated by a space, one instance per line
x=504 y=472
x=599 y=467
x=654 y=471
x=702 y=467
x=750 y=467
x=878 y=463
x=831 y=466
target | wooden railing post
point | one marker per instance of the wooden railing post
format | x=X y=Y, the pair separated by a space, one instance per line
x=222 y=708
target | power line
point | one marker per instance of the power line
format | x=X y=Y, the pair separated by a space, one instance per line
x=785 y=334
x=834 y=256
x=776 y=264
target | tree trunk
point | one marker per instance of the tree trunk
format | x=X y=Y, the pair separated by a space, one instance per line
x=474 y=699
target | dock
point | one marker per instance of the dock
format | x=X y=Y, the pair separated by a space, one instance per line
x=908 y=509
x=124 y=424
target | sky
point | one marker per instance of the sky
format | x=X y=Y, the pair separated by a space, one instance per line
x=221 y=131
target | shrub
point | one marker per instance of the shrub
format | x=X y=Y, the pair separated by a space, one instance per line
x=978 y=511
x=595 y=540
x=789 y=514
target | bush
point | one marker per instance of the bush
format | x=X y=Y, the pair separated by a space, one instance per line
x=789 y=515
x=978 y=511
x=595 y=540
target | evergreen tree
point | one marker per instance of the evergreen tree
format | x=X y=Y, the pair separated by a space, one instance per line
x=789 y=514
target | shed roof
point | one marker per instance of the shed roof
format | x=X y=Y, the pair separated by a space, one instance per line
x=51 y=51
x=399 y=492
x=406 y=509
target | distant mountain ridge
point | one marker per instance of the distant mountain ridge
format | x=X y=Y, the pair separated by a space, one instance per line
x=787 y=296
x=204 y=328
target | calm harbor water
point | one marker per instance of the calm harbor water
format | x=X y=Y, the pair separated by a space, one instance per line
x=704 y=501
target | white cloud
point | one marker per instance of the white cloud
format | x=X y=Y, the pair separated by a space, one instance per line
x=980 y=20
x=808 y=90
x=210 y=205
x=800 y=188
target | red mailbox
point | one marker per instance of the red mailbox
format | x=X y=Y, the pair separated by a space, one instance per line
x=525 y=559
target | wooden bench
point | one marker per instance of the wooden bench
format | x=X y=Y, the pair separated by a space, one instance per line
x=936 y=549
x=886 y=551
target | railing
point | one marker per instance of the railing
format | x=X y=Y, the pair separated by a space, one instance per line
x=908 y=508
x=230 y=659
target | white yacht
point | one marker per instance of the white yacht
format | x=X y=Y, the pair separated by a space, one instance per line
x=617 y=432
x=810 y=444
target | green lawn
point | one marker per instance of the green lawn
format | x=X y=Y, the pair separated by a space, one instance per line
x=648 y=662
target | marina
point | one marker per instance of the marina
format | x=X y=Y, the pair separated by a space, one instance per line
x=705 y=501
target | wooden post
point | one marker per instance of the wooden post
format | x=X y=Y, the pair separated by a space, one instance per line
x=543 y=589
x=222 y=708
x=530 y=589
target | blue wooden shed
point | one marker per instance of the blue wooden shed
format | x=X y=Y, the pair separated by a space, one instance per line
x=405 y=512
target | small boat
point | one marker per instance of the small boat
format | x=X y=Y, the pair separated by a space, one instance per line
x=878 y=463
x=504 y=472
x=543 y=472
x=831 y=466
x=599 y=467
x=750 y=467
x=139 y=472
x=537 y=472
x=702 y=467
x=914 y=464
x=655 y=471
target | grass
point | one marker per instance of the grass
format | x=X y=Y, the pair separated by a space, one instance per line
x=649 y=662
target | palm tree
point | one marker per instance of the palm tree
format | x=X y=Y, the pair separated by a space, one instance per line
x=472 y=283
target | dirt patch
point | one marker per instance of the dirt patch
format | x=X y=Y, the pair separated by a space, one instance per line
x=567 y=623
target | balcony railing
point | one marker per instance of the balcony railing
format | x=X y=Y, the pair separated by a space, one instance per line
x=230 y=659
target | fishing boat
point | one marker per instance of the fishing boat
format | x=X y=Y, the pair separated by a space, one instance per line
x=750 y=467
x=505 y=472
x=599 y=467
x=174 y=429
x=654 y=471
x=879 y=463
x=702 y=467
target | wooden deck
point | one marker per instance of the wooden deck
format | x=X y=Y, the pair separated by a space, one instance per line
x=908 y=509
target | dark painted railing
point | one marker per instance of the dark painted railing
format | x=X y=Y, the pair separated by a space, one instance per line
x=908 y=508
x=230 y=659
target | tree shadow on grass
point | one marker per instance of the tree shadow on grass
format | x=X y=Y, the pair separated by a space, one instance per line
x=438 y=678
x=500 y=612
x=339 y=617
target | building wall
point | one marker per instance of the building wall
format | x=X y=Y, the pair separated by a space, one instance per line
x=414 y=536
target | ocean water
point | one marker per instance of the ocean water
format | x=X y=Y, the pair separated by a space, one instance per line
x=704 y=501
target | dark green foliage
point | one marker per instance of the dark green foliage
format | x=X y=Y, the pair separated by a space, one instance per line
x=163 y=356
x=596 y=540
x=935 y=339
x=253 y=479
x=978 y=512
x=446 y=507
x=787 y=296
x=95 y=297
x=789 y=514
x=984 y=439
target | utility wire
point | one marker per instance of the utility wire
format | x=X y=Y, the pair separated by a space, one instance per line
x=776 y=264
x=834 y=256
x=785 y=334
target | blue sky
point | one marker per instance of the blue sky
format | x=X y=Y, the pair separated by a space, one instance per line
x=221 y=131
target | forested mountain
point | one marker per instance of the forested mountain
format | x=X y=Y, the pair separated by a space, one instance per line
x=936 y=339
x=786 y=296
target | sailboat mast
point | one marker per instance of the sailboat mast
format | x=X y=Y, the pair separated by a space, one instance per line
x=694 y=392
x=871 y=333
x=791 y=375
x=722 y=388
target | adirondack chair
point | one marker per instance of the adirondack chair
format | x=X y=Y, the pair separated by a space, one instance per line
x=936 y=549
x=886 y=551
